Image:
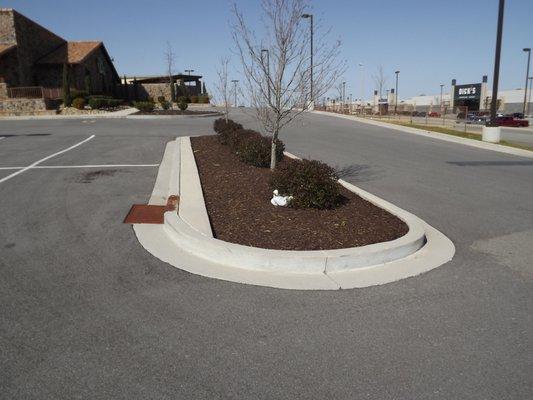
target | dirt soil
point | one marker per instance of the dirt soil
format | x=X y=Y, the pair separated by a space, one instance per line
x=238 y=196
x=177 y=112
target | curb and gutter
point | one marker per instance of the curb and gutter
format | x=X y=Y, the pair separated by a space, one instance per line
x=114 y=114
x=435 y=135
x=185 y=240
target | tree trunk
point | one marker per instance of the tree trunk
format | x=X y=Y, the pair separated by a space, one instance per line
x=273 y=160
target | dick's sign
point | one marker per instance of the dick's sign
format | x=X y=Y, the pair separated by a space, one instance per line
x=468 y=92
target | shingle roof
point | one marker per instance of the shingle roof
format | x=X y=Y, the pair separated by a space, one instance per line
x=4 y=48
x=70 y=52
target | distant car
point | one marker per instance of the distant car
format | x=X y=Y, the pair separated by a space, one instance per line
x=421 y=114
x=434 y=114
x=510 y=121
x=518 y=115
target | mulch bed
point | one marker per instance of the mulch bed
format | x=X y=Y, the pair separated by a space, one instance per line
x=176 y=112
x=238 y=196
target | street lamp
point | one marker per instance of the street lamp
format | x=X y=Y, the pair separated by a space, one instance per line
x=268 y=69
x=361 y=66
x=235 y=81
x=310 y=16
x=528 y=50
x=529 y=100
x=396 y=94
x=491 y=132
x=343 y=92
x=441 y=106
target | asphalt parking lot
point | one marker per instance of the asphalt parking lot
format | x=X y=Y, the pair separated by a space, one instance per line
x=88 y=313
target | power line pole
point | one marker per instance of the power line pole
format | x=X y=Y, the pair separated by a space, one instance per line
x=528 y=50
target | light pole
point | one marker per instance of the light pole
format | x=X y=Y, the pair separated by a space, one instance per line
x=361 y=66
x=343 y=92
x=529 y=100
x=441 y=106
x=396 y=93
x=491 y=132
x=528 y=50
x=235 y=81
x=263 y=51
x=311 y=99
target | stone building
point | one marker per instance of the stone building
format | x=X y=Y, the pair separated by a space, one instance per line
x=31 y=55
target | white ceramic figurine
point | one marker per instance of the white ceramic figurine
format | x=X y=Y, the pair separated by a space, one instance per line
x=278 y=200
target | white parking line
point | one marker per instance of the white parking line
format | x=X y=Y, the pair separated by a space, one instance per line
x=81 y=166
x=20 y=171
x=2 y=137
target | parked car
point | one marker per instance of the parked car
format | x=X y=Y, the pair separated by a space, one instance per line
x=518 y=115
x=434 y=114
x=421 y=114
x=510 y=121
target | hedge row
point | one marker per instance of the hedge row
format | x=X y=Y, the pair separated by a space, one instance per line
x=250 y=146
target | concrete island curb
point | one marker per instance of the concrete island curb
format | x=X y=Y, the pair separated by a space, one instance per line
x=185 y=241
x=435 y=135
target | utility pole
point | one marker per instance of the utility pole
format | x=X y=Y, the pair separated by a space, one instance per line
x=361 y=66
x=235 y=81
x=310 y=16
x=528 y=50
x=529 y=100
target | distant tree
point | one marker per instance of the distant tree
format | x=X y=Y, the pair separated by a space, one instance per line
x=222 y=86
x=67 y=99
x=380 y=80
x=204 y=91
x=169 y=58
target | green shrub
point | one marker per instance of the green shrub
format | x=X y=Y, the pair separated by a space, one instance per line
x=312 y=183
x=161 y=99
x=97 y=103
x=165 y=105
x=225 y=129
x=113 y=103
x=182 y=103
x=254 y=149
x=79 y=103
x=194 y=99
x=146 y=106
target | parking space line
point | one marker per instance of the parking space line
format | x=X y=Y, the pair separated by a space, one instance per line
x=20 y=171
x=81 y=166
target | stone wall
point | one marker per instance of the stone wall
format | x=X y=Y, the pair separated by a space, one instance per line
x=25 y=107
x=7 y=27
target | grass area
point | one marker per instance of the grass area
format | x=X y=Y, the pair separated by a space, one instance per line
x=453 y=132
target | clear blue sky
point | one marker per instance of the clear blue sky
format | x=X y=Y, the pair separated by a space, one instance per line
x=431 y=42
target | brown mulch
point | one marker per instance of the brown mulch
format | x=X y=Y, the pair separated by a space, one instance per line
x=238 y=197
x=176 y=112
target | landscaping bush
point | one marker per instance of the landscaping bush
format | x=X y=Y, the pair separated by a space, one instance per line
x=194 y=99
x=79 y=103
x=97 y=103
x=145 y=106
x=113 y=103
x=254 y=149
x=165 y=105
x=182 y=103
x=161 y=99
x=312 y=183
x=225 y=129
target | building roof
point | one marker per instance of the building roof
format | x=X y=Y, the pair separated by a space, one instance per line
x=71 y=53
x=164 y=78
x=4 y=48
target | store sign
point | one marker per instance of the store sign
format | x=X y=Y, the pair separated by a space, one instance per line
x=467 y=92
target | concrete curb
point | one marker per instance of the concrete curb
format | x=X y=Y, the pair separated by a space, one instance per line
x=167 y=181
x=435 y=135
x=192 y=208
x=171 y=116
x=186 y=244
x=115 y=114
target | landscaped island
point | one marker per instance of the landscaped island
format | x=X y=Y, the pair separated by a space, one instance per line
x=237 y=197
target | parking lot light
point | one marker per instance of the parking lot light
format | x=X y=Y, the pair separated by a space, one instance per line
x=528 y=51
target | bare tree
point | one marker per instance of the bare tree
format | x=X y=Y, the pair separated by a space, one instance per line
x=169 y=59
x=380 y=79
x=278 y=86
x=222 y=86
